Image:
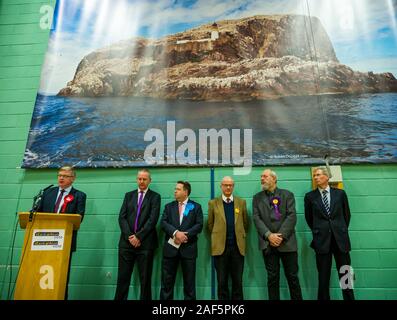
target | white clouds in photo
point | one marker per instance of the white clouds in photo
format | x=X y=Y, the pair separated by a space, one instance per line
x=62 y=58
x=99 y=23
x=347 y=21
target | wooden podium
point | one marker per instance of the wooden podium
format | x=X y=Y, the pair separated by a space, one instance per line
x=45 y=255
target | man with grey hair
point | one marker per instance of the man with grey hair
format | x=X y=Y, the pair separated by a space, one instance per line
x=327 y=213
x=65 y=199
x=275 y=219
x=228 y=226
x=138 y=217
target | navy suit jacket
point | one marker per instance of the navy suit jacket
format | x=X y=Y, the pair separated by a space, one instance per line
x=192 y=224
x=147 y=220
x=324 y=225
x=77 y=205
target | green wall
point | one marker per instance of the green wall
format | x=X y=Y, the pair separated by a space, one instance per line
x=372 y=191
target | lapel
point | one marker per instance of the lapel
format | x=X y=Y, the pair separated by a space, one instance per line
x=318 y=198
x=72 y=192
x=175 y=214
x=52 y=198
x=145 y=200
x=332 y=193
x=277 y=193
x=265 y=202
x=238 y=208
x=220 y=209
x=270 y=209
x=134 y=200
x=185 y=218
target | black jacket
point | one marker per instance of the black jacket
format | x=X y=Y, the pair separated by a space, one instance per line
x=192 y=223
x=77 y=205
x=324 y=225
x=150 y=212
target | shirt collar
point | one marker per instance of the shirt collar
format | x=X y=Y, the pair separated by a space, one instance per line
x=144 y=191
x=67 y=190
x=271 y=193
x=326 y=189
x=224 y=197
x=184 y=202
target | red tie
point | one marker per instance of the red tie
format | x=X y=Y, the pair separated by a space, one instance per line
x=59 y=200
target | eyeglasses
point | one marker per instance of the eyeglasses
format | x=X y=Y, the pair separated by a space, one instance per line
x=227 y=185
x=63 y=176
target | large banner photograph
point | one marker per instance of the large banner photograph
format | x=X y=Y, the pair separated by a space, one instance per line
x=217 y=83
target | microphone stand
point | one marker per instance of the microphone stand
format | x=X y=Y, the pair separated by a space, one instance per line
x=37 y=201
x=36 y=204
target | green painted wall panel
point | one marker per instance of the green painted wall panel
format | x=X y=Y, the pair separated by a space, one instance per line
x=12 y=72
x=12 y=134
x=19 y=84
x=17 y=108
x=28 y=59
x=20 y=95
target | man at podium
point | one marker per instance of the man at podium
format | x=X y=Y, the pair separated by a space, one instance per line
x=65 y=199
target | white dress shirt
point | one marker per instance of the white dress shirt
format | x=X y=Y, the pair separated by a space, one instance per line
x=328 y=189
x=224 y=198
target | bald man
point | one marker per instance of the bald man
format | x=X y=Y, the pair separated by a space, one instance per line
x=138 y=217
x=228 y=225
x=275 y=219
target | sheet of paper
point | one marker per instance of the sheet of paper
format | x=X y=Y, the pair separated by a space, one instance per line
x=172 y=243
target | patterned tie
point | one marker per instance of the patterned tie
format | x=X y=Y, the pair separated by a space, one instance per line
x=325 y=201
x=138 y=212
x=57 y=203
x=228 y=200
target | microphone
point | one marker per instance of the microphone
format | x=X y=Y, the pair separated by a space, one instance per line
x=37 y=200
x=51 y=185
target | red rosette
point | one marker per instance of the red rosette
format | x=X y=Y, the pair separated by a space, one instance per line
x=69 y=198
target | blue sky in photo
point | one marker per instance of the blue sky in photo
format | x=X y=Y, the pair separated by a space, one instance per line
x=188 y=11
x=363 y=32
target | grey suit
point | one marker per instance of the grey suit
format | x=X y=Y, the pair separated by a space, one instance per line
x=266 y=223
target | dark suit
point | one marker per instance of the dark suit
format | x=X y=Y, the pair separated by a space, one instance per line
x=330 y=236
x=146 y=233
x=186 y=253
x=77 y=205
x=266 y=223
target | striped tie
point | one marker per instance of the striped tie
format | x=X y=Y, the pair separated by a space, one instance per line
x=325 y=201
